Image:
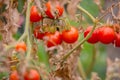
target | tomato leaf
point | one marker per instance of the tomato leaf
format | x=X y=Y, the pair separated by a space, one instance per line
x=42 y=55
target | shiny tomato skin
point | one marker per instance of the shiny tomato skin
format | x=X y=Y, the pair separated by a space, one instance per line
x=117 y=40
x=70 y=36
x=14 y=76
x=31 y=75
x=49 y=10
x=37 y=33
x=53 y=39
x=106 y=35
x=94 y=37
x=34 y=14
x=21 y=46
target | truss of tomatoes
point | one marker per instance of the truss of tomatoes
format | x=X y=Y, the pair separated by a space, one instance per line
x=105 y=35
x=56 y=38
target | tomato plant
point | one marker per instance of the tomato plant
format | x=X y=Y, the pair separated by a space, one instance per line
x=70 y=36
x=45 y=25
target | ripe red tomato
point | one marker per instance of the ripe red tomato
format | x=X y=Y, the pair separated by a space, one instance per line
x=94 y=37
x=53 y=39
x=57 y=10
x=70 y=36
x=31 y=75
x=34 y=14
x=14 y=76
x=21 y=47
x=117 y=40
x=106 y=35
x=37 y=33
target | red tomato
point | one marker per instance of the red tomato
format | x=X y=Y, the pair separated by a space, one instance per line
x=34 y=14
x=70 y=36
x=94 y=37
x=106 y=35
x=37 y=33
x=31 y=75
x=49 y=10
x=14 y=76
x=53 y=39
x=21 y=46
x=117 y=40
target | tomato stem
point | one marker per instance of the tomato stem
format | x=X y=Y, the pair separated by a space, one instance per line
x=86 y=12
x=27 y=29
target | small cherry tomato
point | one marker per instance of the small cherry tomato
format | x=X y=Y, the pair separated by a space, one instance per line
x=35 y=16
x=53 y=11
x=117 y=40
x=14 y=76
x=53 y=39
x=21 y=47
x=106 y=35
x=94 y=37
x=37 y=33
x=70 y=36
x=31 y=75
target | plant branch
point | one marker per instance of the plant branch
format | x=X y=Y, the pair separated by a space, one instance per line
x=86 y=12
x=27 y=29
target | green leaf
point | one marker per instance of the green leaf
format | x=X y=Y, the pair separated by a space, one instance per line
x=16 y=36
x=42 y=55
x=20 y=5
x=100 y=63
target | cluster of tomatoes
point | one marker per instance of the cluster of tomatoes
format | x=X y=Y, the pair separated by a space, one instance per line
x=52 y=38
x=105 y=35
x=55 y=38
x=51 y=11
x=31 y=74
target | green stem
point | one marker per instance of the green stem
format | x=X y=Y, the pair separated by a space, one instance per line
x=81 y=70
x=86 y=12
x=27 y=28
